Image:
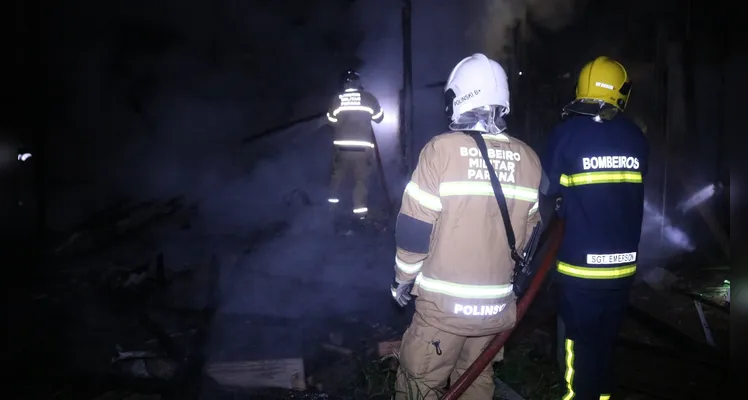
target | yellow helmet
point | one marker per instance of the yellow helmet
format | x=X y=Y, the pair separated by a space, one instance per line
x=604 y=80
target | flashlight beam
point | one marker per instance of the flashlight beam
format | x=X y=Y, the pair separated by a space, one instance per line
x=706 y=214
x=697 y=198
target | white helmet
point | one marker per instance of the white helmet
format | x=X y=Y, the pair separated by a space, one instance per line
x=476 y=81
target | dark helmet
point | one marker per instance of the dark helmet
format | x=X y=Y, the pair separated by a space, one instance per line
x=350 y=79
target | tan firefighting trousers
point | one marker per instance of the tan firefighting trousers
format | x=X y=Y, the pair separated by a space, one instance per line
x=430 y=357
x=359 y=162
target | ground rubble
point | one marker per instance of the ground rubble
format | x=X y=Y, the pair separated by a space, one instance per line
x=337 y=357
x=129 y=321
x=109 y=311
x=134 y=322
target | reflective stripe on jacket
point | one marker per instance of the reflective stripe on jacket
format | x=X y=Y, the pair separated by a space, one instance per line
x=450 y=236
x=351 y=114
x=598 y=168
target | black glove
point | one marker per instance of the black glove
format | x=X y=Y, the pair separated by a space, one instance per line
x=401 y=291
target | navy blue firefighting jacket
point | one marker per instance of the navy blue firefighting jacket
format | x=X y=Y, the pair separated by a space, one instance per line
x=597 y=169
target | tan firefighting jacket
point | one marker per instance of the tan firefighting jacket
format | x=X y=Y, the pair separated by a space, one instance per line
x=351 y=114
x=450 y=236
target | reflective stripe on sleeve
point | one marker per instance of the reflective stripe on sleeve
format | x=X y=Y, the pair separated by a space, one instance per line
x=596 y=273
x=408 y=268
x=590 y=178
x=472 y=188
x=423 y=197
x=461 y=290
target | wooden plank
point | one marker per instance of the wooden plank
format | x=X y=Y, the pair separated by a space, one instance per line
x=670 y=316
x=385 y=349
x=285 y=373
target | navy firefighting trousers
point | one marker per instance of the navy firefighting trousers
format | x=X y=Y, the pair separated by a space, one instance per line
x=591 y=320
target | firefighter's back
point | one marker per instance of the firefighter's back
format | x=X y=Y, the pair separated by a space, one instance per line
x=352 y=114
x=470 y=260
x=603 y=194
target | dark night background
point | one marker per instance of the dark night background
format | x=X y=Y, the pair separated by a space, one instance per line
x=170 y=190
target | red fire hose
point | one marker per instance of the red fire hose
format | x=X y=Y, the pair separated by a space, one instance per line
x=459 y=387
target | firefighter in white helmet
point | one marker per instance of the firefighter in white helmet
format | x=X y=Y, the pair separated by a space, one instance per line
x=351 y=114
x=451 y=237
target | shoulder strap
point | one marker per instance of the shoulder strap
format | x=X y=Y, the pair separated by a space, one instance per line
x=498 y=193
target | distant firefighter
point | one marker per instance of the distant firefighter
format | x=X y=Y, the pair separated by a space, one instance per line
x=595 y=163
x=351 y=114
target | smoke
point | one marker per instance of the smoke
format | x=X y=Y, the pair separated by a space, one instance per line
x=502 y=16
x=156 y=100
x=661 y=239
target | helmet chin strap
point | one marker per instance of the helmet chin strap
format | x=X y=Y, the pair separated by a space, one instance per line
x=485 y=119
x=598 y=110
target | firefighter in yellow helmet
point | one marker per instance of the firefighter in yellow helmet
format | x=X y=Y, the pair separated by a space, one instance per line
x=595 y=164
x=603 y=89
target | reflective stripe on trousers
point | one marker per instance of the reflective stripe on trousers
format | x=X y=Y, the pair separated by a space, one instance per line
x=360 y=211
x=354 y=143
x=357 y=162
x=569 y=372
x=596 y=272
x=590 y=322
x=569 y=369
